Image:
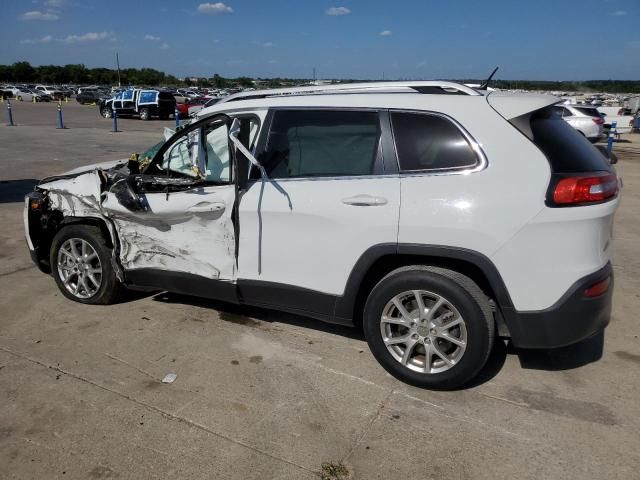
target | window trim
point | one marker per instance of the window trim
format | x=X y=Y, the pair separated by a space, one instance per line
x=481 y=164
x=383 y=166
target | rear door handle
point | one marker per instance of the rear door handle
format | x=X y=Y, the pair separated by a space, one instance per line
x=208 y=207
x=365 y=201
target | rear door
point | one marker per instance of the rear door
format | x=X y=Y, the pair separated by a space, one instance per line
x=330 y=194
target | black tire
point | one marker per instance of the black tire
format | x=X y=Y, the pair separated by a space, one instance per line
x=110 y=290
x=106 y=112
x=461 y=292
x=145 y=114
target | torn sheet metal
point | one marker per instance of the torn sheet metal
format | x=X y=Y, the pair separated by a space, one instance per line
x=185 y=231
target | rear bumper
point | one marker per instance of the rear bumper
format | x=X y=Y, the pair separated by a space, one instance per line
x=570 y=320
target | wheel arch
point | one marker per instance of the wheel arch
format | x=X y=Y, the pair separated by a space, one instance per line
x=56 y=222
x=380 y=260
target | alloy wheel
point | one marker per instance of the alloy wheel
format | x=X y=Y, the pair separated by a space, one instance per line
x=79 y=268
x=423 y=331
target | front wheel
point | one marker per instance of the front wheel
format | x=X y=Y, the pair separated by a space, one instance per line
x=429 y=326
x=106 y=112
x=81 y=266
x=145 y=114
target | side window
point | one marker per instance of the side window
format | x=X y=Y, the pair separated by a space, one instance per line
x=430 y=142
x=321 y=143
x=202 y=152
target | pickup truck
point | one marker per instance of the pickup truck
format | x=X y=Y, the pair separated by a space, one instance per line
x=143 y=103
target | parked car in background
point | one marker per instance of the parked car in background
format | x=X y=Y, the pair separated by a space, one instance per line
x=438 y=222
x=145 y=103
x=90 y=95
x=11 y=90
x=584 y=118
x=5 y=92
x=54 y=93
x=28 y=95
x=193 y=109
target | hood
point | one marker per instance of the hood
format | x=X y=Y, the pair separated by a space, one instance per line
x=102 y=165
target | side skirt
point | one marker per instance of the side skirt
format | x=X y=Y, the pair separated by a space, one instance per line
x=275 y=296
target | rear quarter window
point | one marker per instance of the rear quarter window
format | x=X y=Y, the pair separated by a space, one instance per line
x=566 y=149
x=430 y=142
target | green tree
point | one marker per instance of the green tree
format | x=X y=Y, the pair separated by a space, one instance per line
x=24 y=72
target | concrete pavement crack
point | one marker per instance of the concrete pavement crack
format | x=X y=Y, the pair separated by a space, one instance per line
x=366 y=429
x=159 y=410
x=21 y=269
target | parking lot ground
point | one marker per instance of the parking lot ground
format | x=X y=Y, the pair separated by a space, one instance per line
x=266 y=395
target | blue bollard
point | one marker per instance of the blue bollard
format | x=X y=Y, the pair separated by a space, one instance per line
x=612 y=132
x=176 y=114
x=115 y=120
x=60 y=124
x=11 y=124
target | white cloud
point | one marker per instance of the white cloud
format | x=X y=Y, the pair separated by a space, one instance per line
x=268 y=44
x=151 y=38
x=386 y=33
x=38 y=15
x=30 y=41
x=619 y=13
x=337 y=11
x=164 y=46
x=89 y=37
x=214 y=8
x=54 y=3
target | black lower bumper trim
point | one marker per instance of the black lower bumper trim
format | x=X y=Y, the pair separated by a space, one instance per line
x=570 y=320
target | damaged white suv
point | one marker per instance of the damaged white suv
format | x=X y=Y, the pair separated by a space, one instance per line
x=435 y=215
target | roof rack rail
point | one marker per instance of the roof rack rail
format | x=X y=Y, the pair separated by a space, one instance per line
x=424 y=87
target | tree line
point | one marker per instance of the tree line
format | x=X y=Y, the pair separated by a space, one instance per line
x=24 y=72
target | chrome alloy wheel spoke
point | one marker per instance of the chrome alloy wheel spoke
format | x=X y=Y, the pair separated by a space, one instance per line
x=423 y=331
x=79 y=268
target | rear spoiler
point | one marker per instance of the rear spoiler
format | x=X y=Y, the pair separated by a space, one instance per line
x=512 y=105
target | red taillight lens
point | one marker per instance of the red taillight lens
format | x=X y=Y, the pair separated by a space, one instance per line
x=577 y=190
x=598 y=120
x=598 y=288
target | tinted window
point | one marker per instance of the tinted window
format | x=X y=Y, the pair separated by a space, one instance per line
x=563 y=112
x=305 y=143
x=592 y=112
x=430 y=142
x=567 y=150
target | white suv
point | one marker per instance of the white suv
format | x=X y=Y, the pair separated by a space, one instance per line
x=436 y=216
x=584 y=118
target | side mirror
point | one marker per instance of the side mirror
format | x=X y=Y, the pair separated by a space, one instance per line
x=234 y=132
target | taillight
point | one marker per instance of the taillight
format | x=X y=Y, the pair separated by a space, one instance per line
x=598 y=120
x=598 y=289
x=585 y=189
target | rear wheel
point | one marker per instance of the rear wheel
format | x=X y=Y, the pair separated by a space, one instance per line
x=145 y=114
x=81 y=266
x=429 y=327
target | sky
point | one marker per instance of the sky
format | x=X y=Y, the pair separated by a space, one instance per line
x=364 y=39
